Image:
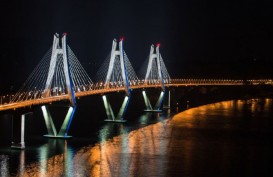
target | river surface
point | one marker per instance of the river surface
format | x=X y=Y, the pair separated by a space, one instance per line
x=230 y=138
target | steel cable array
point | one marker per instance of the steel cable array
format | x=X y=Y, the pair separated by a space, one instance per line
x=116 y=79
x=34 y=86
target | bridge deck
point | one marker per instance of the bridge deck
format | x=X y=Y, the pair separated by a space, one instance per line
x=173 y=83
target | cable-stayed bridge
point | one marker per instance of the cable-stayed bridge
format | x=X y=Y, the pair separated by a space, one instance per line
x=60 y=76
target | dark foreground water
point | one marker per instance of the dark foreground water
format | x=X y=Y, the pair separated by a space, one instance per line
x=231 y=138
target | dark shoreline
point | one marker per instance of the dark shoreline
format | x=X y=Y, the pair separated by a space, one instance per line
x=189 y=97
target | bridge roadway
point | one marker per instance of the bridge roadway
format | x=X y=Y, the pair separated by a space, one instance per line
x=98 y=89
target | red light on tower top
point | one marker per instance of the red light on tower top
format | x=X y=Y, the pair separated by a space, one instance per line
x=158 y=45
x=122 y=39
x=65 y=33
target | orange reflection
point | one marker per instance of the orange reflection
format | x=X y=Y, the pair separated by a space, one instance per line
x=140 y=152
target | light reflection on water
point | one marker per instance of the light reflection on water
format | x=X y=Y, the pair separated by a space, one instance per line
x=4 y=166
x=53 y=165
x=172 y=146
x=137 y=152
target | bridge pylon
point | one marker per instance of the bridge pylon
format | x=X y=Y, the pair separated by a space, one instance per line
x=59 y=55
x=117 y=54
x=119 y=75
x=156 y=75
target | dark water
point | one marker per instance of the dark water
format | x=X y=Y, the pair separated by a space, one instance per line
x=230 y=138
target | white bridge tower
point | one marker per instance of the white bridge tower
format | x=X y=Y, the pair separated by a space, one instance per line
x=119 y=75
x=156 y=74
x=59 y=53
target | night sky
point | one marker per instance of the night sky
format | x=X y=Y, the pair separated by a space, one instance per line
x=219 y=39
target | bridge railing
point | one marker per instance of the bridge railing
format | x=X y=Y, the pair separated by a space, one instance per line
x=220 y=82
x=5 y=99
x=206 y=82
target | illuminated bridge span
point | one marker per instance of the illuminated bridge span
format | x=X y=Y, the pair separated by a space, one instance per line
x=32 y=100
x=60 y=76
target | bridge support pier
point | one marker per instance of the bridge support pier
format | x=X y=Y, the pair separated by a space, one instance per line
x=168 y=106
x=158 y=105
x=21 y=144
x=63 y=132
x=110 y=114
